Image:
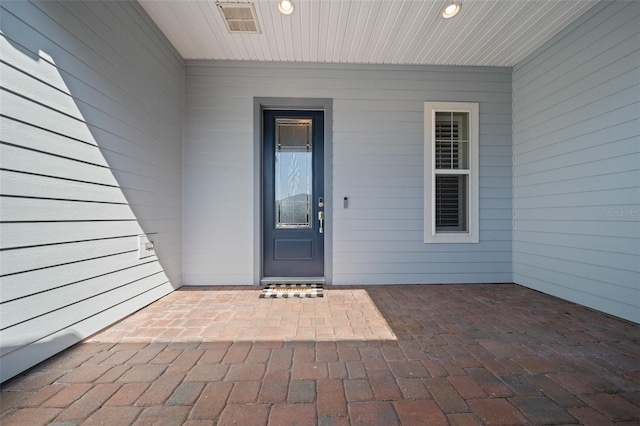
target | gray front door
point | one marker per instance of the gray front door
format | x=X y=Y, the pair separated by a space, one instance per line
x=293 y=194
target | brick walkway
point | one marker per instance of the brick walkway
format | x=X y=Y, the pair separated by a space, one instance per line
x=372 y=355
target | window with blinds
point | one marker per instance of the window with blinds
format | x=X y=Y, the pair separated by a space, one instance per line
x=451 y=206
x=451 y=153
x=452 y=140
x=450 y=172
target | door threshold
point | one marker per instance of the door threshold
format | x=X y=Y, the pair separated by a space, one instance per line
x=292 y=280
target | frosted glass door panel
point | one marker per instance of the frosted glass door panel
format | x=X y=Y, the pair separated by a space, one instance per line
x=293 y=174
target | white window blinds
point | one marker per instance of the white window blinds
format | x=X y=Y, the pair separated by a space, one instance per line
x=451 y=153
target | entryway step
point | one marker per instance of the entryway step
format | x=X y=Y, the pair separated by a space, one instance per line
x=292 y=280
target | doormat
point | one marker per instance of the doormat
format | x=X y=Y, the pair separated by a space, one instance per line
x=302 y=290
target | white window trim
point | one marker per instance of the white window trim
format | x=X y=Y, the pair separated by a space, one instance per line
x=430 y=234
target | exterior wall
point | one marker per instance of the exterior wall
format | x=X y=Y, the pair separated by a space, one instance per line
x=377 y=162
x=90 y=157
x=576 y=120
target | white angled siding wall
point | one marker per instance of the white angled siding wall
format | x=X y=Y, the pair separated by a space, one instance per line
x=577 y=163
x=91 y=110
x=377 y=163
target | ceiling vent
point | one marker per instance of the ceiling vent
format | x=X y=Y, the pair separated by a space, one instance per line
x=240 y=18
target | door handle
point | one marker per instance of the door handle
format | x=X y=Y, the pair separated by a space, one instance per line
x=321 y=219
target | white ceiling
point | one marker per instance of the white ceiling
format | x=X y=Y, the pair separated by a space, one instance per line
x=485 y=32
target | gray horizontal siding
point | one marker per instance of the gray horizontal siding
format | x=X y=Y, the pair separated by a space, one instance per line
x=577 y=163
x=90 y=157
x=377 y=162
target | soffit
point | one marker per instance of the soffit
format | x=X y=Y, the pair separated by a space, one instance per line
x=485 y=32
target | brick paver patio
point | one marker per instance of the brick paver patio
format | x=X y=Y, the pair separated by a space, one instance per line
x=367 y=355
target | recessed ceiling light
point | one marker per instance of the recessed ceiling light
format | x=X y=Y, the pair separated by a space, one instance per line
x=451 y=10
x=285 y=7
